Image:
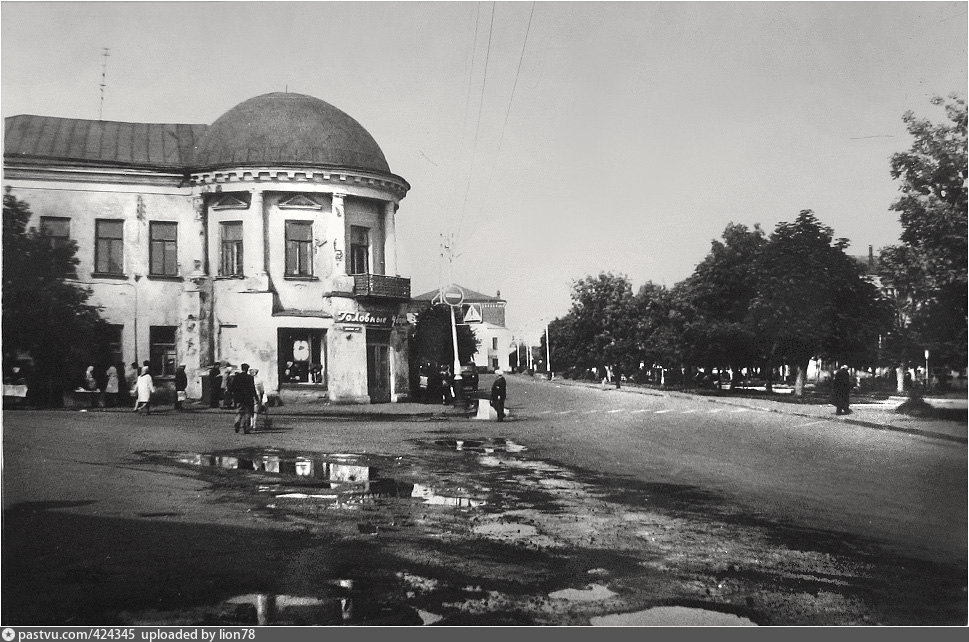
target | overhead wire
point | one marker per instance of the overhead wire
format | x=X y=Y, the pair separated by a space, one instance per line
x=477 y=128
x=511 y=99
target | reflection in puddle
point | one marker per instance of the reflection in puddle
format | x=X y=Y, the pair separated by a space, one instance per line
x=342 y=480
x=487 y=447
x=430 y=497
x=294 y=610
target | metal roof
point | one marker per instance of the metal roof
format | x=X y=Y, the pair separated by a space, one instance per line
x=101 y=141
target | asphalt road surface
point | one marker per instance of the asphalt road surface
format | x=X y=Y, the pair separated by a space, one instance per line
x=587 y=506
x=908 y=491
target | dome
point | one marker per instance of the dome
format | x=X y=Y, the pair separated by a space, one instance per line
x=288 y=129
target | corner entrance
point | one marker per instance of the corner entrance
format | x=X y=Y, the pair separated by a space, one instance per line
x=378 y=365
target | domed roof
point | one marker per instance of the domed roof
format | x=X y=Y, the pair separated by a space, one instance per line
x=288 y=129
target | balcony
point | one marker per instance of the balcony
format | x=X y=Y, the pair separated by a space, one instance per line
x=378 y=286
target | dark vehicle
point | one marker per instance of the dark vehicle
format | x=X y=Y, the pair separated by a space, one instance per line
x=469 y=378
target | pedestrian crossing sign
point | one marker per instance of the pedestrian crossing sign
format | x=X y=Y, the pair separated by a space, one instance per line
x=472 y=313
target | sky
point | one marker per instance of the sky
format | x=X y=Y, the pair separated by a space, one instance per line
x=544 y=142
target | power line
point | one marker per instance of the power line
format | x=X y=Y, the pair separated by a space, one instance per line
x=477 y=128
x=511 y=99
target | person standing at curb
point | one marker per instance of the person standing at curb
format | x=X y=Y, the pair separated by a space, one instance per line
x=243 y=390
x=840 y=388
x=498 y=394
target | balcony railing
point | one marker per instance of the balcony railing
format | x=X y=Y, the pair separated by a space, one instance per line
x=378 y=286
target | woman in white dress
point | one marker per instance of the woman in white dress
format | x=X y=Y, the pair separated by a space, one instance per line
x=145 y=387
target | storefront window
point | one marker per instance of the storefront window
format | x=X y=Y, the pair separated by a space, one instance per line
x=302 y=358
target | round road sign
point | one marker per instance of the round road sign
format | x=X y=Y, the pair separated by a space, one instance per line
x=452 y=295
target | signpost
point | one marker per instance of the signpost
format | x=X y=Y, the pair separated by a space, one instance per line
x=453 y=295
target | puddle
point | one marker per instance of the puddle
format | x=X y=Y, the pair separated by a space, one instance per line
x=341 y=480
x=488 y=447
x=291 y=610
x=593 y=593
x=671 y=616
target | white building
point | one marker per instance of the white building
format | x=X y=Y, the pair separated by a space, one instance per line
x=267 y=237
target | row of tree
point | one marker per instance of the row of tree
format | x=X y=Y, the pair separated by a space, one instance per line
x=765 y=301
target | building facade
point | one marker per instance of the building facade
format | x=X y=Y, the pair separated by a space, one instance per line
x=486 y=317
x=267 y=237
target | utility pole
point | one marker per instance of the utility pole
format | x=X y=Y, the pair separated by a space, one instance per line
x=104 y=81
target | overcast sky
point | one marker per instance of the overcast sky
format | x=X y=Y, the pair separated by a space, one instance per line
x=615 y=136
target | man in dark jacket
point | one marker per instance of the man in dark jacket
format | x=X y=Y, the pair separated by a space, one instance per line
x=244 y=394
x=498 y=394
x=840 y=387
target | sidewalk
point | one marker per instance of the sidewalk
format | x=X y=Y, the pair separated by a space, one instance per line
x=880 y=415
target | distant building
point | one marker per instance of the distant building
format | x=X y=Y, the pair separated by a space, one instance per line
x=486 y=316
x=267 y=237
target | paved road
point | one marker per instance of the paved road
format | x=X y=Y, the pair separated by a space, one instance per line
x=904 y=490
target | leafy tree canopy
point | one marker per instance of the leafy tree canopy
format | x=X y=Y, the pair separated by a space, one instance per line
x=45 y=315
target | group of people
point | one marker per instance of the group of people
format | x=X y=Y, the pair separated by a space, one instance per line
x=436 y=385
x=119 y=386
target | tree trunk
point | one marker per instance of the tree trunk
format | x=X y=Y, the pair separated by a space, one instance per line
x=900 y=378
x=801 y=379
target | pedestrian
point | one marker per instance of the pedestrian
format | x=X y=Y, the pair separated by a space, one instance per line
x=446 y=381
x=91 y=385
x=244 y=394
x=260 y=405
x=131 y=381
x=181 y=385
x=215 y=386
x=499 y=394
x=111 y=386
x=840 y=386
x=145 y=387
x=228 y=400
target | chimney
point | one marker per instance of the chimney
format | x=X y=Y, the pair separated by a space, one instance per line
x=871 y=257
x=498 y=296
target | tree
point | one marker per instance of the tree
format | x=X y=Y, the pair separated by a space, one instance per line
x=812 y=299
x=46 y=317
x=927 y=272
x=431 y=341
x=603 y=322
x=716 y=299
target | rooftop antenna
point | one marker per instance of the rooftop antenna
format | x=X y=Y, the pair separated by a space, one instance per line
x=104 y=82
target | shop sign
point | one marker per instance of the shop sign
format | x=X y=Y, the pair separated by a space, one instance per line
x=366 y=318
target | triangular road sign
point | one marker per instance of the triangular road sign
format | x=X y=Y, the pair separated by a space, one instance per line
x=473 y=313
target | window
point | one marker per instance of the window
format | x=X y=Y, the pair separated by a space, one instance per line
x=494 y=343
x=111 y=340
x=162 y=349
x=58 y=230
x=302 y=356
x=231 y=264
x=163 y=249
x=299 y=248
x=359 y=250
x=109 y=247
